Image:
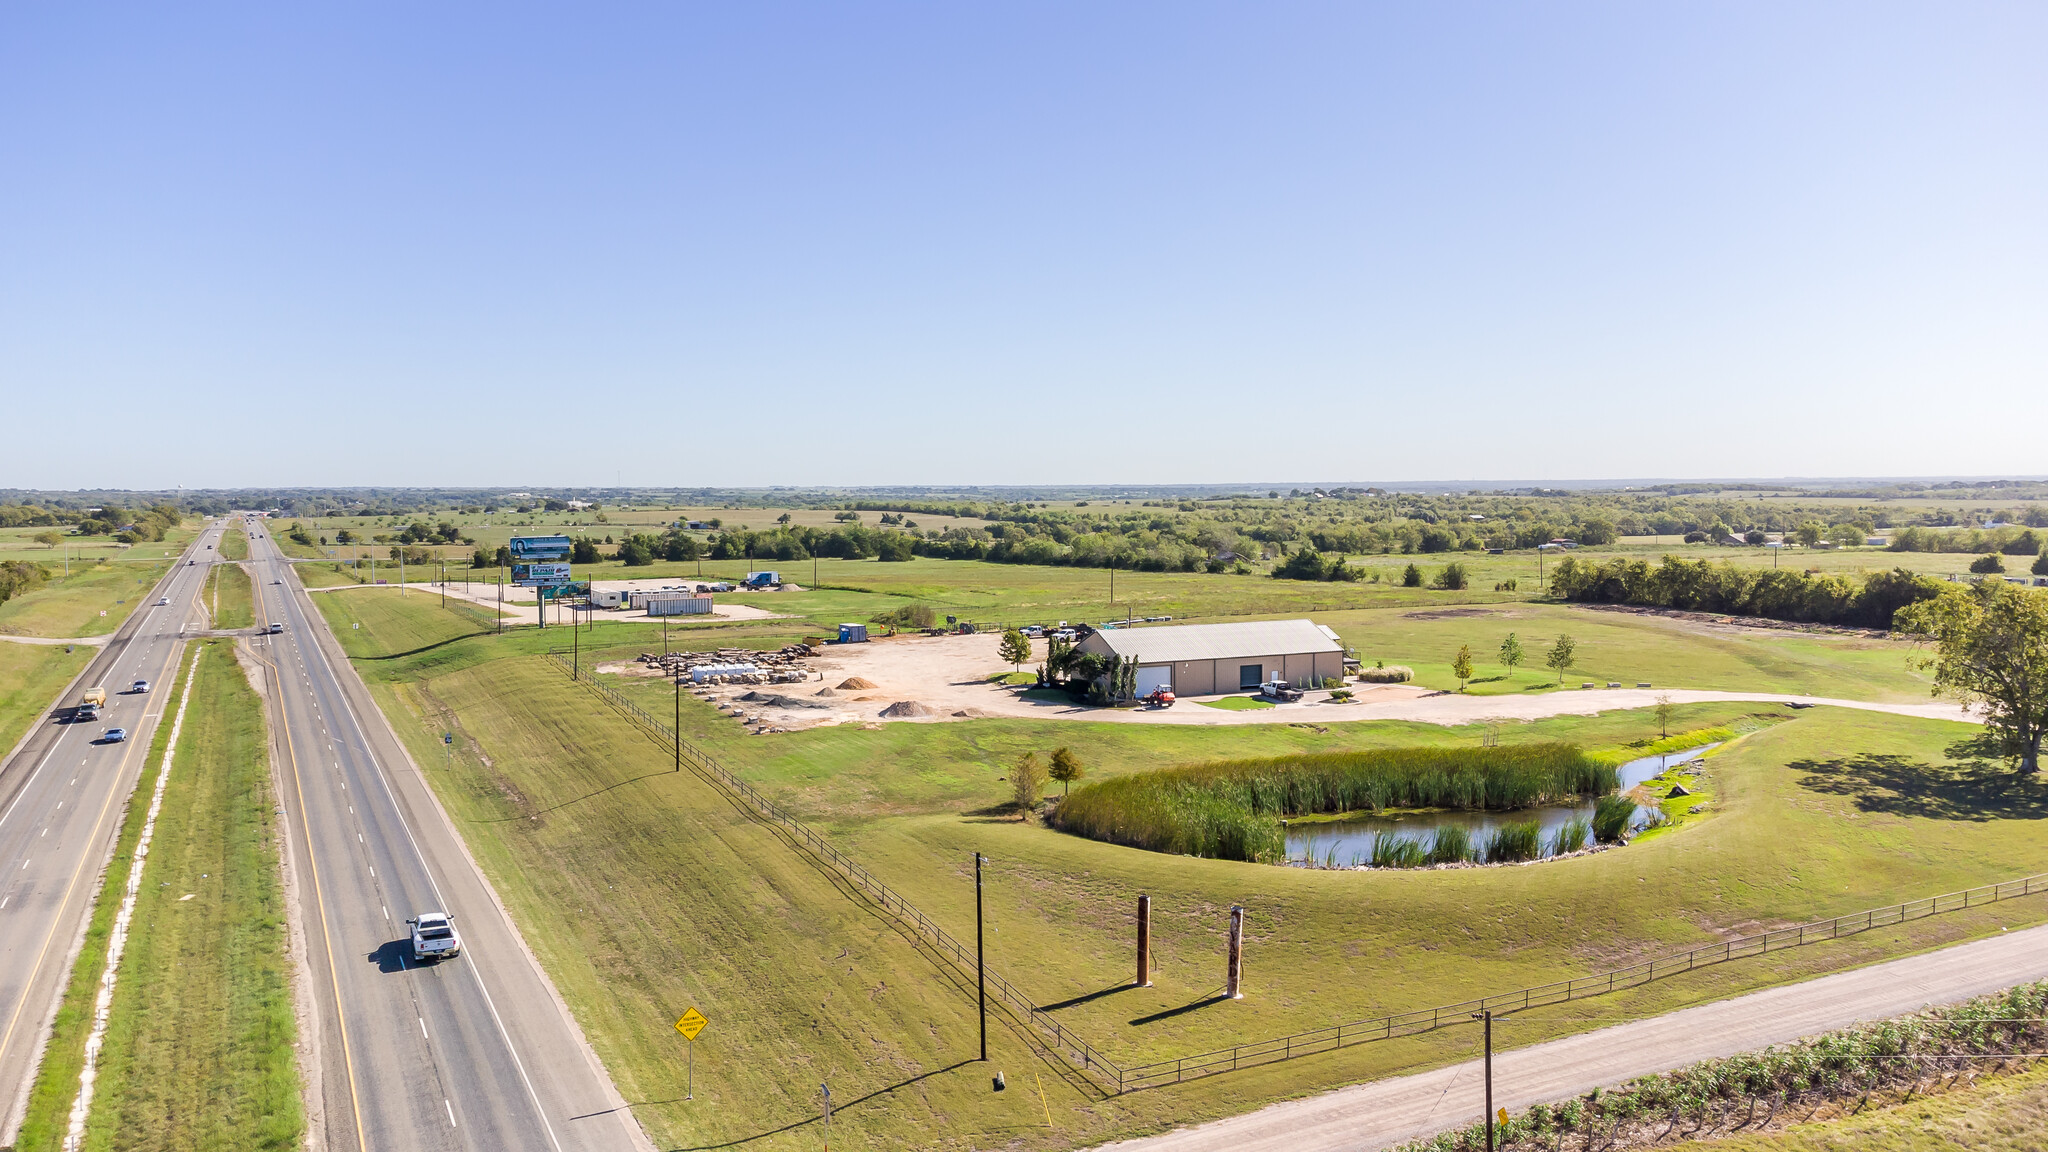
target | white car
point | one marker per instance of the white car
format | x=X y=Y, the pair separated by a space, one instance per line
x=434 y=937
x=139 y=686
x=163 y=601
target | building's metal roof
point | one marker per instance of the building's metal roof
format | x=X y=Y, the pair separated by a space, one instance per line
x=1179 y=643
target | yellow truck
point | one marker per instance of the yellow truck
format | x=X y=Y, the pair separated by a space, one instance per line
x=95 y=699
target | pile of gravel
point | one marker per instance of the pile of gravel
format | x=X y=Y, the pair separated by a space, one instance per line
x=778 y=700
x=905 y=709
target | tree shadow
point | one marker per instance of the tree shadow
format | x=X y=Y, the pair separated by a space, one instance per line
x=1966 y=789
x=1193 y=1006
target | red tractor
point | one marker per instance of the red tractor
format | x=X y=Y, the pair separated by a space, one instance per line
x=1161 y=697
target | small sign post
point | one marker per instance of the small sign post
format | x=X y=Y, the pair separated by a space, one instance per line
x=692 y=1022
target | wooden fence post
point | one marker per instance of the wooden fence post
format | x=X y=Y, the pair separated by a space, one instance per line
x=1144 y=941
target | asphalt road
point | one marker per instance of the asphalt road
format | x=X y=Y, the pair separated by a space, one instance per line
x=61 y=798
x=1389 y=1112
x=472 y=1053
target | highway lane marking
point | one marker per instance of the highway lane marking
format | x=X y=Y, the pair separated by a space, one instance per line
x=451 y=1113
x=326 y=936
x=43 y=954
x=423 y=1026
x=476 y=974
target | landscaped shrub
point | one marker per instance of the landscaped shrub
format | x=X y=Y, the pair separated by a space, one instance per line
x=1232 y=809
x=1387 y=674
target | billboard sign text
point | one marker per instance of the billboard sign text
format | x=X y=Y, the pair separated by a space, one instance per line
x=527 y=549
x=540 y=575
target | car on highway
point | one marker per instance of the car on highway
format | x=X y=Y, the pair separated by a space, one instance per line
x=163 y=601
x=139 y=686
x=277 y=581
x=275 y=629
x=113 y=735
x=434 y=937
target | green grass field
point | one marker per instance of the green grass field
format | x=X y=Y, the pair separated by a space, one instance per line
x=230 y=597
x=200 y=1048
x=45 y=1119
x=584 y=832
x=234 y=544
x=91 y=602
x=30 y=677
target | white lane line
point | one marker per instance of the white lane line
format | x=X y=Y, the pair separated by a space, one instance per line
x=24 y=865
x=451 y=1113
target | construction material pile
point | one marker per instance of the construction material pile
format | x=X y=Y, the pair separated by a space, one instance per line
x=735 y=665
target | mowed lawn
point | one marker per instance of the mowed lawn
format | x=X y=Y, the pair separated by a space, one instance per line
x=200 y=1048
x=230 y=597
x=1630 y=648
x=93 y=601
x=31 y=675
x=646 y=892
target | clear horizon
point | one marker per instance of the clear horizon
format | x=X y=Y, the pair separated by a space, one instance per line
x=794 y=246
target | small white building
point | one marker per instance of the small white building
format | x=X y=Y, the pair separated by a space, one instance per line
x=1211 y=659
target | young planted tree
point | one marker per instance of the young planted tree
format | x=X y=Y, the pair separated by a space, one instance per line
x=1511 y=652
x=1563 y=655
x=1664 y=711
x=1461 y=665
x=1411 y=577
x=1015 y=648
x=1027 y=781
x=1991 y=651
x=1066 y=768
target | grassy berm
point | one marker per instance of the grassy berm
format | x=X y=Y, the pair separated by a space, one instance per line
x=645 y=892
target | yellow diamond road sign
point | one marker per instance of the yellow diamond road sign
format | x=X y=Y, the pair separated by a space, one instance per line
x=692 y=1023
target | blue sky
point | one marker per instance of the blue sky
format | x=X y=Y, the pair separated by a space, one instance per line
x=1088 y=243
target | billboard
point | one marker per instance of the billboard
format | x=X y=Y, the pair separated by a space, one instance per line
x=527 y=549
x=540 y=575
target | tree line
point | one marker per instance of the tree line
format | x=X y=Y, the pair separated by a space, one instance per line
x=1779 y=594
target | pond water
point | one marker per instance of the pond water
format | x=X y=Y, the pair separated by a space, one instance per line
x=1350 y=842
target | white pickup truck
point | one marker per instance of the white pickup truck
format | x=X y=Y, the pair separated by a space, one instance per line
x=434 y=937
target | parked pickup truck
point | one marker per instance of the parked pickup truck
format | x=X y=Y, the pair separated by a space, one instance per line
x=1278 y=690
x=434 y=937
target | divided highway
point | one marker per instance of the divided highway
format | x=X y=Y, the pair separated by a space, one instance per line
x=471 y=1053
x=61 y=798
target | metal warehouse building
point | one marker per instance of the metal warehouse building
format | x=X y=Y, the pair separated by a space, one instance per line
x=1208 y=659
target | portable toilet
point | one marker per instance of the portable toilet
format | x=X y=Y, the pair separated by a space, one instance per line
x=853 y=633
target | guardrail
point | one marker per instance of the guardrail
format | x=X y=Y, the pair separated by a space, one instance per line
x=1112 y=1077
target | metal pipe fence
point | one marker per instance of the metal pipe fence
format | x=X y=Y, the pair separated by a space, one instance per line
x=1112 y=1077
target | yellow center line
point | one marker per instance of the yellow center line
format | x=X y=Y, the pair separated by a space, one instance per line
x=319 y=904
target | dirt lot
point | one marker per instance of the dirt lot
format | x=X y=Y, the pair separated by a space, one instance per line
x=941 y=678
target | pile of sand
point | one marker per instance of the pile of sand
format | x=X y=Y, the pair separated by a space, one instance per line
x=858 y=682
x=905 y=709
x=778 y=700
x=973 y=714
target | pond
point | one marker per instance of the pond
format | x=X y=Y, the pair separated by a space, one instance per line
x=1349 y=842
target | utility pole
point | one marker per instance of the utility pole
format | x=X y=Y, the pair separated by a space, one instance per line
x=1486 y=1018
x=980 y=957
x=679 y=721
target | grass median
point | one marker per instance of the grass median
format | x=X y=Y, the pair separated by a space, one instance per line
x=230 y=597
x=199 y=1051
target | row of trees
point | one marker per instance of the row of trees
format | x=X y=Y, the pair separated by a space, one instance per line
x=1563 y=653
x=1780 y=594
